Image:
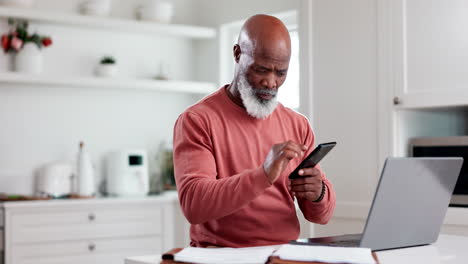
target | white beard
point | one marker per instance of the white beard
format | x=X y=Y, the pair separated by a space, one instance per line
x=256 y=107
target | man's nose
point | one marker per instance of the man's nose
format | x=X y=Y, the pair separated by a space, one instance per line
x=269 y=82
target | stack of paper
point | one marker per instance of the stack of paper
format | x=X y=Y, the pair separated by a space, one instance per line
x=325 y=254
x=250 y=255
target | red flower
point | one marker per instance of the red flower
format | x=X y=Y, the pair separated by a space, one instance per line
x=46 y=42
x=16 y=43
x=5 y=43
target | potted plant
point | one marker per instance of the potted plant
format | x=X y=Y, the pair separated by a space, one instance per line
x=107 y=67
x=26 y=47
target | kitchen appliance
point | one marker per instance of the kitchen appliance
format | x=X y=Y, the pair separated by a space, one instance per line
x=456 y=146
x=127 y=173
x=54 y=180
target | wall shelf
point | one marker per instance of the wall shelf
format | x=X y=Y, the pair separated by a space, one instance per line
x=108 y=83
x=108 y=23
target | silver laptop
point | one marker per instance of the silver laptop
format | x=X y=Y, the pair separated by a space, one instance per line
x=409 y=205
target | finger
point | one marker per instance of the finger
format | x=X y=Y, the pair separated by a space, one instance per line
x=288 y=154
x=312 y=172
x=294 y=147
x=305 y=180
x=311 y=196
x=306 y=188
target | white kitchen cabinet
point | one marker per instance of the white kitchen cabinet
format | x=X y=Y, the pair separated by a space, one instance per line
x=90 y=231
x=359 y=56
x=427 y=51
x=423 y=72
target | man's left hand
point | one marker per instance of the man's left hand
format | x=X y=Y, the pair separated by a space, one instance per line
x=308 y=186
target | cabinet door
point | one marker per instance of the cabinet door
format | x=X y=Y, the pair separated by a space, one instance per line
x=427 y=52
x=59 y=224
x=85 y=251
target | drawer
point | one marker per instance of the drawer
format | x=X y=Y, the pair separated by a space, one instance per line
x=86 y=251
x=84 y=224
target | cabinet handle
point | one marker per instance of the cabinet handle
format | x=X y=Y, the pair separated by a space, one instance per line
x=396 y=100
x=91 y=247
x=91 y=217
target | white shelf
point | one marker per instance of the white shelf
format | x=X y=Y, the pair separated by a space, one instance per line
x=110 y=83
x=108 y=23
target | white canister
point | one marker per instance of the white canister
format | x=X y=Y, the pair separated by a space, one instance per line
x=29 y=59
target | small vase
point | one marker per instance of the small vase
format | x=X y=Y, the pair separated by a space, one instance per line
x=29 y=59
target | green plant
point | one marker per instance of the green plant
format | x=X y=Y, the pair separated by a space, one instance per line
x=108 y=60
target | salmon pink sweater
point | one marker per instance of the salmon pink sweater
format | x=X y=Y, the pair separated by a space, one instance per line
x=223 y=190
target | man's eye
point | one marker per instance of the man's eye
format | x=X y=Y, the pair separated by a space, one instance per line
x=281 y=74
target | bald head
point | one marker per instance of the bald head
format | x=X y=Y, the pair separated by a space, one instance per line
x=262 y=61
x=265 y=36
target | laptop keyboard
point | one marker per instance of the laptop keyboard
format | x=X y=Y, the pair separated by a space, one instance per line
x=344 y=243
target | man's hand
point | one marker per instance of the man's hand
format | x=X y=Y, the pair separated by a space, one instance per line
x=309 y=186
x=279 y=156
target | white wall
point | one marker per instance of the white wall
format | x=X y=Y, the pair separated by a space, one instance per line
x=344 y=67
x=216 y=13
x=42 y=124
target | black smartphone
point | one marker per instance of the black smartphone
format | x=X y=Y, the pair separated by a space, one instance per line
x=313 y=159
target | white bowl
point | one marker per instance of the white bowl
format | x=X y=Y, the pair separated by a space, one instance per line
x=156 y=11
x=18 y=3
x=96 y=7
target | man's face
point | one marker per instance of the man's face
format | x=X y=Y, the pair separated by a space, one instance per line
x=259 y=81
x=266 y=75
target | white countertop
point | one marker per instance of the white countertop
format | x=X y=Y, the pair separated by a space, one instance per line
x=448 y=249
x=163 y=197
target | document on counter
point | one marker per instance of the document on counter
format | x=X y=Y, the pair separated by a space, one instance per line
x=248 y=255
x=352 y=255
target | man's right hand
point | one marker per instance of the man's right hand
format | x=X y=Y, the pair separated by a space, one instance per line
x=279 y=156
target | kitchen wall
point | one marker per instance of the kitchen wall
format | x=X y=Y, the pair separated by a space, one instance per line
x=41 y=124
x=344 y=46
x=224 y=12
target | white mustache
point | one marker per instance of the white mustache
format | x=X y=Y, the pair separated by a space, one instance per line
x=265 y=91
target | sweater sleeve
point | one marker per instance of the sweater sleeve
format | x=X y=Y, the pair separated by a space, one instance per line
x=320 y=212
x=202 y=196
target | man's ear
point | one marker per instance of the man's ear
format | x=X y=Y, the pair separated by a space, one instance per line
x=236 y=50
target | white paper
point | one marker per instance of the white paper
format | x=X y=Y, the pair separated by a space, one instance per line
x=352 y=255
x=248 y=255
